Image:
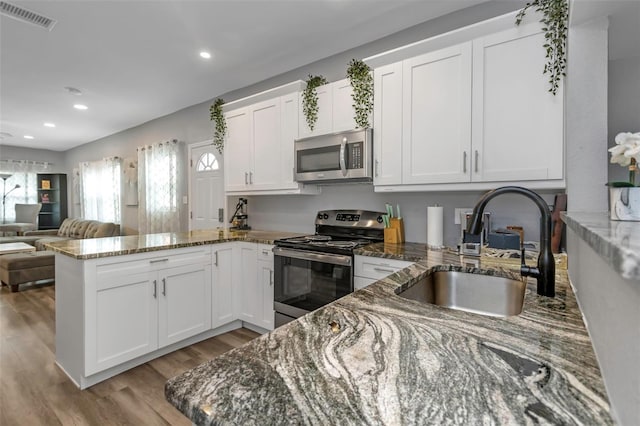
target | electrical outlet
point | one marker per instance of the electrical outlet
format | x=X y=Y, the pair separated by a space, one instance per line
x=458 y=212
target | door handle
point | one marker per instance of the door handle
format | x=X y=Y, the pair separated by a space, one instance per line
x=376 y=168
x=270 y=277
x=343 y=161
x=476 y=165
x=216 y=261
x=155 y=289
x=250 y=178
x=464 y=161
x=164 y=286
x=246 y=178
x=159 y=260
x=383 y=269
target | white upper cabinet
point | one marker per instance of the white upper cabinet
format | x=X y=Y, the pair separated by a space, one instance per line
x=387 y=124
x=437 y=116
x=472 y=114
x=261 y=131
x=517 y=122
x=335 y=110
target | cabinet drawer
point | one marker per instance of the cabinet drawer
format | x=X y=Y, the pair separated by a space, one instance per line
x=377 y=268
x=265 y=253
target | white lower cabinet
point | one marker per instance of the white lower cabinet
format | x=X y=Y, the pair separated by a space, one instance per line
x=368 y=270
x=223 y=302
x=265 y=316
x=141 y=303
x=246 y=283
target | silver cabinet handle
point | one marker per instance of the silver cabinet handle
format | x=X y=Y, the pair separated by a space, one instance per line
x=270 y=277
x=246 y=178
x=155 y=289
x=251 y=178
x=464 y=161
x=164 y=286
x=383 y=269
x=476 y=165
x=376 y=168
x=159 y=260
x=216 y=261
x=343 y=161
x=265 y=252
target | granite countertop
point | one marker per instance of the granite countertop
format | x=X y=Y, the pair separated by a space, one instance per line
x=617 y=242
x=93 y=248
x=373 y=357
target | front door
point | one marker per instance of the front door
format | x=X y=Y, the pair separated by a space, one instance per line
x=207 y=188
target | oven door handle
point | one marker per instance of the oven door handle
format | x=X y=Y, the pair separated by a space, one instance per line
x=343 y=160
x=334 y=259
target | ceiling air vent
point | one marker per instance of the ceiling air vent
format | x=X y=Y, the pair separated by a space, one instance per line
x=25 y=15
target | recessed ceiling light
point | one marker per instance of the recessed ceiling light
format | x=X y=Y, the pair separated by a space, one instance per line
x=28 y=137
x=205 y=55
x=80 y=106
x=49 y=125
x=73 y=90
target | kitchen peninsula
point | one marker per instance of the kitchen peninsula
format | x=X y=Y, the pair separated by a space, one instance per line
x=122 y=301
x=375 y=358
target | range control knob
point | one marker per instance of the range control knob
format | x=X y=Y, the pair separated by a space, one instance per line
x=320 y=216
x=325 y=216
x=379 y=219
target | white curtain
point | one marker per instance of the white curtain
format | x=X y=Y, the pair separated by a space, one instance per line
x=160 y=167
x=100 y=190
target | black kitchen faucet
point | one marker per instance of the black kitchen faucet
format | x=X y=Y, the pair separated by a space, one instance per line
x=545 y=272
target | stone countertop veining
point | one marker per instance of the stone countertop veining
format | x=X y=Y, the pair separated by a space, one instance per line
x=93 y=248
x=617 y=242
x=375 y=358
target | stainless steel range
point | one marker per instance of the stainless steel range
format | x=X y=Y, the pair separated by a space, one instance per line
x=314 y=270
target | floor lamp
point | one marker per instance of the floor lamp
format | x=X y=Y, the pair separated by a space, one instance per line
x=4 y=177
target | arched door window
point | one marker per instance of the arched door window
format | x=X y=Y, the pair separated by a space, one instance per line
x=207 y=162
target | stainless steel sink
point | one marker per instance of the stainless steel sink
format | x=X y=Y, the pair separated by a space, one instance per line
x=481 y=294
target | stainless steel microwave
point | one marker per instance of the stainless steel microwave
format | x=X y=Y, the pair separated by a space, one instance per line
x=344 y=156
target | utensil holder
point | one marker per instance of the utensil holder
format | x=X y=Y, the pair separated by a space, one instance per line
x=398 y=223
x=391 y=236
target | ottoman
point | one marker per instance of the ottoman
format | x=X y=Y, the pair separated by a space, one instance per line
x=19 y=268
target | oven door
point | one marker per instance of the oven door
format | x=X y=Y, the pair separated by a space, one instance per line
x=306 y=280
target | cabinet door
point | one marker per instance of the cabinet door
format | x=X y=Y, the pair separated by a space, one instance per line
x=238 y=152
x=517 y=123
x=387 y=125
x=325 y=113
x=437 y=116
x=250 y=294
x=184 y=295
x=361 y=282
x=266 y=134
x=121 y=320
x=289 y=113
x=342 y=113
x=222 y=297
x=265 y=281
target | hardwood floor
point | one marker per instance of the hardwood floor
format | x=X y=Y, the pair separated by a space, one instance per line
x=34 y=391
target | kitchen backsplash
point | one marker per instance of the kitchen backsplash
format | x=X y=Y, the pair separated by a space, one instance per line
x=297 y=213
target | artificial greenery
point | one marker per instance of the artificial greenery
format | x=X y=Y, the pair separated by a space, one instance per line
x=217 y=117
x=310 y=99
x=359 y=75
x=555 y=15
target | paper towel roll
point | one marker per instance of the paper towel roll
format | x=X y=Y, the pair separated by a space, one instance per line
x=435 y=228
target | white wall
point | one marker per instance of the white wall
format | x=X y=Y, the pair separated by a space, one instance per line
x=55 y=159
x=624 y=106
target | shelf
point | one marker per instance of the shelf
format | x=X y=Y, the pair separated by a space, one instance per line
x=48 y=189
x=47 y=213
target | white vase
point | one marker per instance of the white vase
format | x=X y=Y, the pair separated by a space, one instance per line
x=624 y=203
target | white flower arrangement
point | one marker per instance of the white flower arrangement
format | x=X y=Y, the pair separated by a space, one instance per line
x=627 y=154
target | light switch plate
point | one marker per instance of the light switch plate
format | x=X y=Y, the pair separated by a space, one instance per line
x=458 y=212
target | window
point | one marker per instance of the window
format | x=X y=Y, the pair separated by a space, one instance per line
x=100 y=190
x=159 y=169
x=207 y=162
x=25 y=194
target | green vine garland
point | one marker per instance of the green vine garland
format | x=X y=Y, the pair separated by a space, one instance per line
x=555 y=18
x=310 y=99
x=217 y=116
x=359 y=75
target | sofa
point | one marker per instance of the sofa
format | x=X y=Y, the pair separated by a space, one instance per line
x=69 y=229
x=20 y=268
